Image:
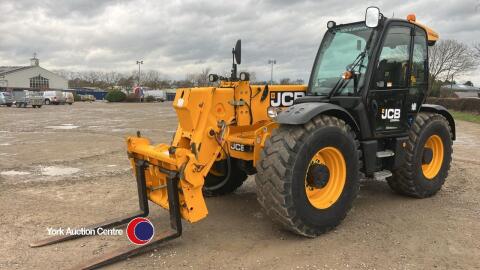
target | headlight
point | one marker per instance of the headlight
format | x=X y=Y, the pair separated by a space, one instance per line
x=244 y=76
x=272 y=112
x=212 y=77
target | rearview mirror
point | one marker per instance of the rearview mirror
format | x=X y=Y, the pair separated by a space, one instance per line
x=238 y=52
x=372 y=16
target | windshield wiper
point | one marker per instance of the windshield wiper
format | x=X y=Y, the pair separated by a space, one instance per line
x=342 y=83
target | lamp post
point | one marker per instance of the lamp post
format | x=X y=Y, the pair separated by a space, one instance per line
x=271 y=62
x=139 y=63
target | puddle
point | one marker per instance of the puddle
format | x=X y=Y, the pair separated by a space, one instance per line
x=112 y=165
x=65 y=126
x=57 y=171
x=4 y=144
x=12 y=173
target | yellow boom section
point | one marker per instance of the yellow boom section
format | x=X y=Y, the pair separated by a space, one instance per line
x=213 y=122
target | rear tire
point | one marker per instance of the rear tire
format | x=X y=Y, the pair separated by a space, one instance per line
x=211 y=187
x=416 y=178
x=286 y=161
x=47 y=102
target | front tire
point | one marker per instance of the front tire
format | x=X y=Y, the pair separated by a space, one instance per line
x=428 y=157
x=308 y=175
x=215 y=183
x=47 y=102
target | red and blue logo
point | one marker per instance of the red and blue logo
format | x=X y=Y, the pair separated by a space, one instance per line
x=140 y=231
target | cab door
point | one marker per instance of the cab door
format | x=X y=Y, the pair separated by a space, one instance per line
x=389 y=85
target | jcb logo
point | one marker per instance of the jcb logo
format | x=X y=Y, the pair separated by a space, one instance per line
x=237 y=147
x=284 y=99
x=391 y=114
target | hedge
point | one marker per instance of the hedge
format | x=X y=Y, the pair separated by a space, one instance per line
x=132 y=98
x=150 y=99
x=115 y=96
x=458 y=104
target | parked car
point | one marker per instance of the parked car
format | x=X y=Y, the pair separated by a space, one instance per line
x=158 y=95
x=87 y=98
x=68 y=97
x=6 y=99
x=25 y=98
x=53 y=97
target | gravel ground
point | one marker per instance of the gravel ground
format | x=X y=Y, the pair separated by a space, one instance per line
x=66 y=166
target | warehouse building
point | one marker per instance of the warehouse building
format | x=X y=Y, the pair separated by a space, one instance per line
x=31 y=77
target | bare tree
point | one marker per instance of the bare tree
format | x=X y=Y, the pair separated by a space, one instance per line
x=476 y=50
x=202 y=78
x=285 y=81
x=153 y=79
x=253 y=76
x=299 y=81
x=448 y=59
x=190 y=79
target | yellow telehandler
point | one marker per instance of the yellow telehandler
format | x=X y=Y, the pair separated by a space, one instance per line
x=362 y=113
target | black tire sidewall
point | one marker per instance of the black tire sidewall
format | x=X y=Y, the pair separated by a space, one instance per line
x=439 y=128
x=324 y=137
x=237 y=177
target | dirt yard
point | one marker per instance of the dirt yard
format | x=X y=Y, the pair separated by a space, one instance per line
x=66 y=166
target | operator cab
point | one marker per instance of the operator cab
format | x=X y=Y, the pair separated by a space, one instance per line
x=376 y=69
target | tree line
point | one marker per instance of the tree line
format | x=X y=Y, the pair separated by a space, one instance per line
x=149 y=78
x=448 y=60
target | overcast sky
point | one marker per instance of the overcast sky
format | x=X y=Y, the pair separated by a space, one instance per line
x=179 y=37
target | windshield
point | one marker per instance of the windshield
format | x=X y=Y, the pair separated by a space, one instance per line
x=340 y=47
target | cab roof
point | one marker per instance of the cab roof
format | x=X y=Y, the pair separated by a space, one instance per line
x=432 y=36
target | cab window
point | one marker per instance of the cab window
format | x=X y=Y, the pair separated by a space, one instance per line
x=418 y=77
x=392 y=65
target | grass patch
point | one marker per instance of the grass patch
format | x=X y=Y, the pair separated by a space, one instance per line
x=466 y=116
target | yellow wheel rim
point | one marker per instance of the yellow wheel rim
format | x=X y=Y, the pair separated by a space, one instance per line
x=323 y=198
x=431 y=169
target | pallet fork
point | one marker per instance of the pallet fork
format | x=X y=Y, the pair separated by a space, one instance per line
x=130 y=251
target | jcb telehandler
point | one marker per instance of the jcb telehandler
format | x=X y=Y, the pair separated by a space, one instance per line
x=362 y=113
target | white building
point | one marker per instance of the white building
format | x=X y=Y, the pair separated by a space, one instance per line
x=30 y=77
x=463 y=91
